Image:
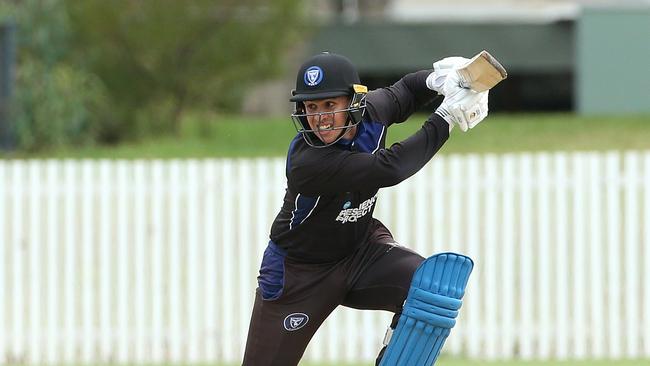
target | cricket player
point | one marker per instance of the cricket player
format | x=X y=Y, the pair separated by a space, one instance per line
x=325 y=247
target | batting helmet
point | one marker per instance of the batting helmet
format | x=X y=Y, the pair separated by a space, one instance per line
x=327 y=75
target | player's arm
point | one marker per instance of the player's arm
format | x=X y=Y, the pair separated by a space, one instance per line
x=396 y=103
x=333 y=171
x=414 y=91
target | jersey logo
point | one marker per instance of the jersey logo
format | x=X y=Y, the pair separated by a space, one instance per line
x=295 y=321
x=313 y=76
x=347 y=205
x=353 y=214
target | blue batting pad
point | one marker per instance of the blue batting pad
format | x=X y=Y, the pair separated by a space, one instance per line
x=430 y=310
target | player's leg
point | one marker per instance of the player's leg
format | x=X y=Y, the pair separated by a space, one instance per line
x=279 y=333
x=429 y=312
x=383 y=276
x=291 y=303
x=389 y=274
x=381 y=273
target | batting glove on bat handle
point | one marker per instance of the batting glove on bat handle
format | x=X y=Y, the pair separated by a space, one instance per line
x=466 y=108
x=441 y=70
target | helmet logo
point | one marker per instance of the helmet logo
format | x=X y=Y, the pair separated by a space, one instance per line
x=313 y=76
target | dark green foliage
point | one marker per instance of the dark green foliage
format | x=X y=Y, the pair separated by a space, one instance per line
x=159 y=58
x=58 y=106
x=43 y=33
x=106 y=71
x=55 y=102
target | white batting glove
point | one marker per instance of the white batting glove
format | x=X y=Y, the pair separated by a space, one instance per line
x=465 y=108
x=441 y=70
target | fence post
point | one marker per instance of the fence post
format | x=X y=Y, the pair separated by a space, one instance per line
x=7 y=55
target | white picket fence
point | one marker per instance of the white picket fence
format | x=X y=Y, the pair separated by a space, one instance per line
x=156 y=261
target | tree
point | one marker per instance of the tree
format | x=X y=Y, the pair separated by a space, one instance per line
x=55 y=103
x=159 y=58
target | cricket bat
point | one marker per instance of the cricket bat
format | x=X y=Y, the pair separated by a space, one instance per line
x=482 y=72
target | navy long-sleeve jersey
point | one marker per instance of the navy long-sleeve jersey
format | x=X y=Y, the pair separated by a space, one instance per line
x=331 y=192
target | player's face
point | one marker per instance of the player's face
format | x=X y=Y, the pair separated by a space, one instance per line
x=328 y=119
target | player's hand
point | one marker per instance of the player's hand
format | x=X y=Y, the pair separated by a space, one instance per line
x=441 y=70
x=465 y=108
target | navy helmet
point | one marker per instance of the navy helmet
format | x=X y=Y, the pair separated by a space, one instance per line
x=327 y=75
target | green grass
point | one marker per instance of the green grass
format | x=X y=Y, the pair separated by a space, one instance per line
x=444 y=362
x=248 y=137
x=517 y=363
x=457 y=362
x=495 y=363
x=541 y=363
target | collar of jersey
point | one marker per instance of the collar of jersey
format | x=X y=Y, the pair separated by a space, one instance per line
x=347 y=143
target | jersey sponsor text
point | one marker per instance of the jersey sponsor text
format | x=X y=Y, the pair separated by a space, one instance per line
x=355 y=213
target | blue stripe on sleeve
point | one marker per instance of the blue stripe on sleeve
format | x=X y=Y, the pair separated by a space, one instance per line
x=304 y=206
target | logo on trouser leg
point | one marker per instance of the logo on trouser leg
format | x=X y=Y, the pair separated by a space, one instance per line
x=295 y=321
